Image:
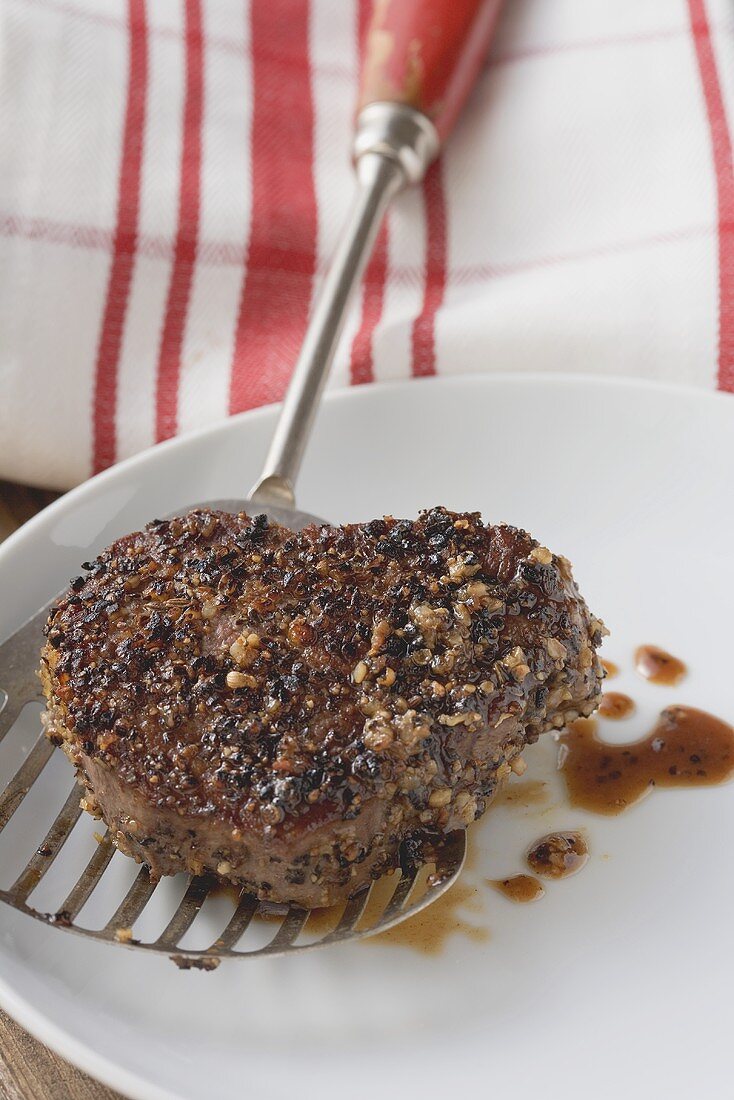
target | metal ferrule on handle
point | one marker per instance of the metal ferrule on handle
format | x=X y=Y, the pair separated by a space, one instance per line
x=394 y=144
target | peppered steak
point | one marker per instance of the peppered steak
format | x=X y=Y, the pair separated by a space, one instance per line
x=284 y=709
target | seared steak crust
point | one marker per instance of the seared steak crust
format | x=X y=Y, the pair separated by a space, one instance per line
x=283 y=709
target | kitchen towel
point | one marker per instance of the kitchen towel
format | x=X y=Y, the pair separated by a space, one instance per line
x=173 y=175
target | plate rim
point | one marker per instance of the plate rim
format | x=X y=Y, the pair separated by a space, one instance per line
x=352 y=393
x=100 y=1066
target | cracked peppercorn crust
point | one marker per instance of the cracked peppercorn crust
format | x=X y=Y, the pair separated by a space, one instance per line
x=283 y=709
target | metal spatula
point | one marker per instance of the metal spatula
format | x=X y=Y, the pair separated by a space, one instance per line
x=421 y=58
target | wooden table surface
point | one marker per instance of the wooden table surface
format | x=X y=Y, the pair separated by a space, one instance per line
x=28 y=1070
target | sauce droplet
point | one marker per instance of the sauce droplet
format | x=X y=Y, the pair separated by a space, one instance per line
x=615 y=705
x=558 y=855
x=659 y=667
x=686 y=748
x=610 y=668
x=519 y=888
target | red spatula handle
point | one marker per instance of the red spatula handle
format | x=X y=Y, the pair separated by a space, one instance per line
x=426 y=53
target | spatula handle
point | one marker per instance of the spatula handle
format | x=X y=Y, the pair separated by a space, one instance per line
x=421 y=58
x=426 y=54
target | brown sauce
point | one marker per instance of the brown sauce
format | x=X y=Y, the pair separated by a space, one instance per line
x=519 y=888
x=429 y=932
x=322 y=921
x=659 y=667
x=528 y=792
x=558 y=855
x=382 y=890
x=473 y=849
x=610 y=669
x=222 y=889
x=616 y=706
x=686 y=748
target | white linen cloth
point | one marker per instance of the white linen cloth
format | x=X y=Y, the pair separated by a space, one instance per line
x=173 y=174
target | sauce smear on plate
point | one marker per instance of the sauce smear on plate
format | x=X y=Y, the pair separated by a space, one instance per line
x=685 y=748
x=429 y=931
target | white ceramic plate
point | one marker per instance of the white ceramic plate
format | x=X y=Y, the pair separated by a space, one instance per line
x=618 y=983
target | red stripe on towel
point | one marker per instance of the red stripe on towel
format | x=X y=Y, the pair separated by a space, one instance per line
x=721 y=144
x=281 y=254
x=125 y=243
x=187 y=232
x=424 y=326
